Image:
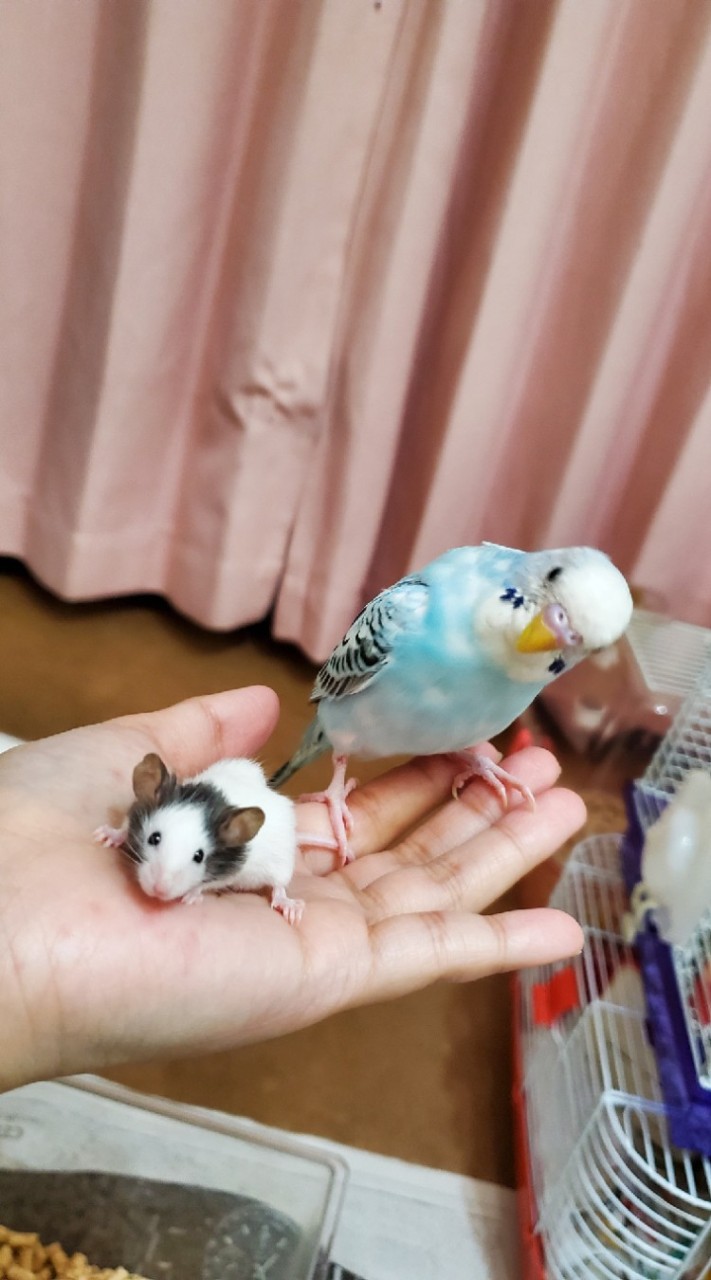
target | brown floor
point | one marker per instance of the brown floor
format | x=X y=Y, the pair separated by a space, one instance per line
x=426 y=1077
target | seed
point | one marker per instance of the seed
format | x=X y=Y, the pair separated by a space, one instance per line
x=24 y=1257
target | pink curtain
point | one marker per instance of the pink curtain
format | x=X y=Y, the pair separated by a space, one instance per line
x=295 y=295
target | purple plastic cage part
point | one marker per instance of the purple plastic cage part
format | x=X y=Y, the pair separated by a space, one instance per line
x=632 y=841
x=688 y=1103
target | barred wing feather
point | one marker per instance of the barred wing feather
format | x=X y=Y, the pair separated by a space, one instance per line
x=368 y=643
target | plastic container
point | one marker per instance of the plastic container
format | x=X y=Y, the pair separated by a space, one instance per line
x=171 y=1192
x=622 y=700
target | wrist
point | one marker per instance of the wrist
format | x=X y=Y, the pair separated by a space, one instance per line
x=25 y=1025
x=19 y=1061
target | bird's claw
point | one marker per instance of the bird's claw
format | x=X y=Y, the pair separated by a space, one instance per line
x=348 y=821
x=500 y=780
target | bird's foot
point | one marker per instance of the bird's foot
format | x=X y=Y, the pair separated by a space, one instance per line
x=502 y=782
x=291 y=909
x=335 y=797
x=112 y=837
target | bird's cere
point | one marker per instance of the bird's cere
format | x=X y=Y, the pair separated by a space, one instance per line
x=548 y=630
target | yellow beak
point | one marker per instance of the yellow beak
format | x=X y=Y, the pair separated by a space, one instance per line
x=537 y=637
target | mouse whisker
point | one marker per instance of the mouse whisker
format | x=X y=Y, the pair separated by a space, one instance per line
x=130 y=853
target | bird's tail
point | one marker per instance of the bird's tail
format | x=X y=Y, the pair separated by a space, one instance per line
x=313 y=744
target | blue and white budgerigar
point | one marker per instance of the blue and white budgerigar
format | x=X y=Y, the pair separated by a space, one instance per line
x=450 y=656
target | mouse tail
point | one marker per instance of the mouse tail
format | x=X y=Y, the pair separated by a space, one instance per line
x=312 y=745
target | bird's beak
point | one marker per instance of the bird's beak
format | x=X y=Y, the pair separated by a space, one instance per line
x=537 y=637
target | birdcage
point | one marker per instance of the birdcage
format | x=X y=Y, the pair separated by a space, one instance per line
x=613 y=1196
x=686 y=746
x=614 y=1047
x=677 y=977
x=670 y=654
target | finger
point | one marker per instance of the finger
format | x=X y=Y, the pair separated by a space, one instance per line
x=383 y=809
x=478 y=806
x=387 y=807
x=413 y=951
x=392 y=803
x=475 y=811
x=474 y=874
x=195 y=733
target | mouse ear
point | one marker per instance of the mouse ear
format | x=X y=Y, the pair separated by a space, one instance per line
x=239 y=826
x=148 y=777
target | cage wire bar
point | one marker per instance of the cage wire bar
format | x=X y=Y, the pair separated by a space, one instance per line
x=686 y=746
x=615 y=1198
x=669 y=654
x=692 y=966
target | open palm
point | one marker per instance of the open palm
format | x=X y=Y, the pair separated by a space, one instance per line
x=94 y=973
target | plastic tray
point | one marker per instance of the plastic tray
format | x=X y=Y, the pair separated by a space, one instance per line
x=172 y=1192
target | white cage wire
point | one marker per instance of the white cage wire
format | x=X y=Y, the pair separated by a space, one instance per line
x=615 y=1198
x=692 y=966
x=686 y=746
x=669 y=654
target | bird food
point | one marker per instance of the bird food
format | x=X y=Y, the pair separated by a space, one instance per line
x=24 y=1257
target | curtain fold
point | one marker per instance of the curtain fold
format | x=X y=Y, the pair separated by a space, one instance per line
x=294 y=296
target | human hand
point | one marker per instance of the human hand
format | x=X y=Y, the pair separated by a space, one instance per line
x=94 y=973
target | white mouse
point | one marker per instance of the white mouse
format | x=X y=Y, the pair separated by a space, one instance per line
x=223 y=828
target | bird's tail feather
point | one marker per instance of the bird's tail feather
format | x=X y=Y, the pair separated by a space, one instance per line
x=312 y=745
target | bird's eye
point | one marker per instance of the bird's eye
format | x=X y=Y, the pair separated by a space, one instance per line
x=154 y=838
x=199 y=856
x=558 y=616
x=554 y=573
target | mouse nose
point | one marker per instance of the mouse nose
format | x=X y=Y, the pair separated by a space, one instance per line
x=160 y=887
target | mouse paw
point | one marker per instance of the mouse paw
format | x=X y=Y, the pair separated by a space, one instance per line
x=112 y=837
x=192 y=897
x=291 y=909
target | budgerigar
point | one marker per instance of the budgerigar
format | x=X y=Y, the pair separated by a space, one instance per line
x=450 y=656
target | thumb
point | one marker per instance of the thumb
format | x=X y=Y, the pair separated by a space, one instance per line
x=195 y=733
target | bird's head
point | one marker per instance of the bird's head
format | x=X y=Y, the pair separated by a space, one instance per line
x=558 y=607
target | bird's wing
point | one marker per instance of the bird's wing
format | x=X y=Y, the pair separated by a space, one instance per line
x=367 y=646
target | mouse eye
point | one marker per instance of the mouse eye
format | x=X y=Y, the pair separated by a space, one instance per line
x=199 y=856
x=154 y=838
